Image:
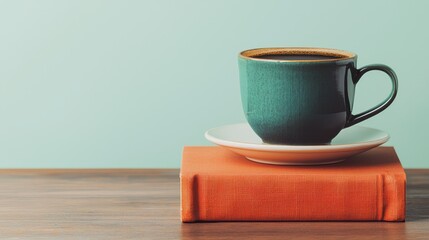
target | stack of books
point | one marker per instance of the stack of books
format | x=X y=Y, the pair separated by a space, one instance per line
x=220 y=185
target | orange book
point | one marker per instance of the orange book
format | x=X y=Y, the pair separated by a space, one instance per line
x=219 y=185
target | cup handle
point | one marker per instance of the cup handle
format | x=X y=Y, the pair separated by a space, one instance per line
x=353 y=119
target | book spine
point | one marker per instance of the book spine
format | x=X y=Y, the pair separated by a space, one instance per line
x=292 y=198
x=189 y=197
x=394 y=197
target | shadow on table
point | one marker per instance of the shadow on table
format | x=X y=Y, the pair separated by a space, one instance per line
x=417 y=197
x=417 y=210
x=293 y=230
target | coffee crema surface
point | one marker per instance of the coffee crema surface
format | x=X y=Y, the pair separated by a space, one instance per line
x=296 y=57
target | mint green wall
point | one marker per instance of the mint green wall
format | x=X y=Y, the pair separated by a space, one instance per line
x=128 y=83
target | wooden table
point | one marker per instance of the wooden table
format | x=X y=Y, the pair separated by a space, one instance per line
x=144 y=204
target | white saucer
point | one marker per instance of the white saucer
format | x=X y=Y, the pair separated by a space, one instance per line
x=241 y=139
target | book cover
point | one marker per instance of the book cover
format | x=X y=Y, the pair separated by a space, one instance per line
x=219 y=185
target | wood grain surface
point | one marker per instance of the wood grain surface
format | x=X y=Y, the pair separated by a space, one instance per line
x=144 y=204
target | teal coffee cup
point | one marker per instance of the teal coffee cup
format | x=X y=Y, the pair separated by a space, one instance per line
x=303 y=96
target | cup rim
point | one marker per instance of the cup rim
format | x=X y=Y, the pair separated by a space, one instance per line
x=336 y=54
